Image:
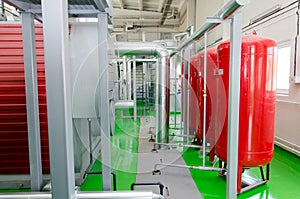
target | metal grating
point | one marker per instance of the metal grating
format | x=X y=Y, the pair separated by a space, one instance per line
x=14 y=156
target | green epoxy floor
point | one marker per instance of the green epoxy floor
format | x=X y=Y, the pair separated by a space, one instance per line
x=284 y=178
x=285 y=168
x=124 y=148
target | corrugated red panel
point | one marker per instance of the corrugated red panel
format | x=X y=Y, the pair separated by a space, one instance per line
x=14 y=156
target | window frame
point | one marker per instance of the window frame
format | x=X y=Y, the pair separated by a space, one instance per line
x=284 y=44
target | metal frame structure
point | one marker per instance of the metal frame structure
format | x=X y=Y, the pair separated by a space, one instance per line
x=104 y=101
x=32 y=101
x=227 y=14
x=55 y=22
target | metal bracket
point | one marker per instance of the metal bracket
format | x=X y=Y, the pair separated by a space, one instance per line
x=214 y=20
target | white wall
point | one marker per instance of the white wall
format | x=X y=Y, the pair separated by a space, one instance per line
x=281 y=29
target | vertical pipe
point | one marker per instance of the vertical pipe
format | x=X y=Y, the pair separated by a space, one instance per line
x=134 y=87
x=90 y=140
x=124 y=87
x=181 y=82
x=129 y=90
x=157 y=101
x=186 y=92
x=233 y=105
x=3 y=8
x=175 y=88
x=58 y=85
x=145 y=73
x=204 y=99
x=163 y=90
x=32 y=101
x=104 y=102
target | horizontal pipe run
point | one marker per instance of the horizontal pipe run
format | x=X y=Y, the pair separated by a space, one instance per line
x=137 y=60
x=189 y=167
x=86 y=195
x=178 y=145
x=181 y=135
x=249 y=187
x=224 y=13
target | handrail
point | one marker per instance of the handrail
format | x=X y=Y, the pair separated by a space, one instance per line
x=223 y=13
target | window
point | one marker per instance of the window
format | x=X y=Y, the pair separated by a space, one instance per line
x=283 y=69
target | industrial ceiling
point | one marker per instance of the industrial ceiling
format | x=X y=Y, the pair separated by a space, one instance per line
x=131 y=14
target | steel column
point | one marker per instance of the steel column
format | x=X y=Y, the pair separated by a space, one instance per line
x=58 y=84
x=134 y=87
x=104 y=102
x=32 y=101
x=233 y=105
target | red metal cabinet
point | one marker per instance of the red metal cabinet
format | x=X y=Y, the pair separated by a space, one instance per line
x=14 y=156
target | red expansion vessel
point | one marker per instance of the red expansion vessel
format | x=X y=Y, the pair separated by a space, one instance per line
x=211 y=97
x=193 y=101
x=257 y=102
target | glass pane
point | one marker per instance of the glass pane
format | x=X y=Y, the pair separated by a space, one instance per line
x=283 y=70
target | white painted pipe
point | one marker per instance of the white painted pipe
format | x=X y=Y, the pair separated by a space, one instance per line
x=189 y=167
x=226 y=11
x=204 y=98
x=86 y=195
x=153 y=49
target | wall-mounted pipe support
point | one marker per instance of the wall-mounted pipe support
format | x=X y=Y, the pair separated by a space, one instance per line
x=223 y=13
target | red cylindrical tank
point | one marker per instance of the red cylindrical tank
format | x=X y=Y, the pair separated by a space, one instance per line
x=193 y=101
x=257 y=101
x=193 y=88
x=210 y=91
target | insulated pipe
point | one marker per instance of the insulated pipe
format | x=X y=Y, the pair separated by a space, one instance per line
x=224 y=13
x=86 y=195
x=129 y=91
x=162 y=110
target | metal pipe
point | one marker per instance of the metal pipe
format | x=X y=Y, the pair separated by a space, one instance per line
x=204 y=98
x=86 y=195
x=137 y=60
x=124 y=87
x=181 y=135
x=189 y=167
x=149 y=48
x=129 y=91
x=134 y=87
x=223 y=13
x=182 y=34
x=90 y=140
x=175 y=82
x=178 y=145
